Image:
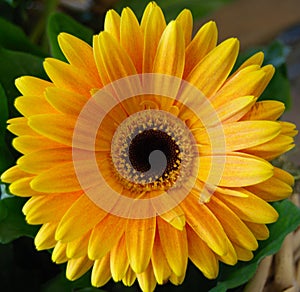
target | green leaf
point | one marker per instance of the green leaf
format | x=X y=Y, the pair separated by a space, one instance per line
x=172 y=8
x=59 y=22
x=289 y=220
x=6 y=159
x=13 y=65
x=13 y=225
x=13 y=38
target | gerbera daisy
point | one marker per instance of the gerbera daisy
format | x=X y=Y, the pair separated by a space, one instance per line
x=145 y=150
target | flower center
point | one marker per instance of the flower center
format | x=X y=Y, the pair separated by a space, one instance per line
x=152 y=150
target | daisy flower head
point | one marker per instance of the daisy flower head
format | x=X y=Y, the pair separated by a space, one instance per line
x=145 y=151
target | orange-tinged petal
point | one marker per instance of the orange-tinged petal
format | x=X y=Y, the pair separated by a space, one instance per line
x=230 y=258
x=119 y=262
x=105 y=235
x=112 y=23
x=185 y=19
x=84 y=220
x=176 y=280
x=32 y=86
x=77 y=267
x=45 y=238
x=252 y=208
x=101 y=271
x=235 y=229
x=175 y=217
x=203 y=42
x=147 y=280
x=65 y=101
x=175 y=250
x=260 y=231
x=32 y=105
x=265 y=110
x=131 y=38
x=140 y=235
x=159 y=262
x=46 y=158
x=68 y=77
x=80 y=55
x=201 y=255
x=210 y=74
x=78 y=247
x=43 y=209
x=154 y=27
x=205 y=224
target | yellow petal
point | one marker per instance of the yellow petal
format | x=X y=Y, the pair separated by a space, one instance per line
x=43 y=209
x=77 y=267
x=174 y=244
x=273 y=189
x=235 y=109
x=78 y=247
x=201 y=255
x=159 y=262
x=114 y=59
x=147 y=280
x=172 y=45
x=175 y=280
x=260 y=231
x=131 y=38
x=235 y=229
x=119 y=262
x=69 y=77
x=80 y=55
x=19 y=127
x=153 y=29
x=185 y=19
x=243 y=254
x=242 y=84
x=203 y=42
x=12 y=174
x=265 y=110
x=145 y=18
x=175 y=217
x=205 y=224
x=105 y=235
x=32 y=86
x=28 y=144
x=230 y=258
x=101 y=272
x=256 y=59
x=46 y=159
x=45 y=238
x=252 y=208
x=32 y=105
x=129 y=278
x=84 y=220
x=58 y=179
x=234 y=170
x=112 y=23
x=210 y=74
x=22 y=188
x=65 y=101
x=140 y=235
x=56 y=127
x=288 y=129
x=59 y=255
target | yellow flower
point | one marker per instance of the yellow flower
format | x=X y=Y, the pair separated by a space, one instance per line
x=145 y=151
